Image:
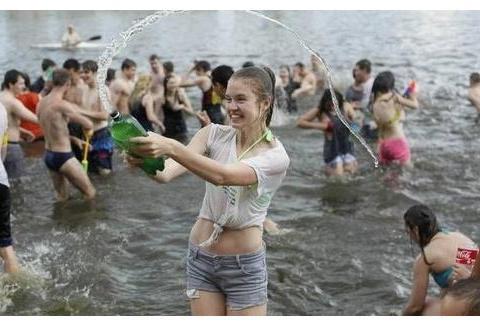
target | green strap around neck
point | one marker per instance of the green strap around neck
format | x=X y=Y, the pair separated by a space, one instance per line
x=268 y=135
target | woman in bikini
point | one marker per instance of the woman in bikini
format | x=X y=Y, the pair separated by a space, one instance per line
x=438 y=253
x=389 y=113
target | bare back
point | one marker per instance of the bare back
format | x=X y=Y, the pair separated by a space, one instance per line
x=54 y=123
x=389 y=116
x=442 y=249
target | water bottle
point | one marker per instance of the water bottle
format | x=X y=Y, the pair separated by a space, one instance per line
x=122 y=129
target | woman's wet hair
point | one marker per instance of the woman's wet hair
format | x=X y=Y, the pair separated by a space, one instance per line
x=263 y=81
x=383 y=83
x=10 y=78
x=424 y=219
x=327 y=99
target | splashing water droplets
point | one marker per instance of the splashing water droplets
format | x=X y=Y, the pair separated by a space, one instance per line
x=105 y=61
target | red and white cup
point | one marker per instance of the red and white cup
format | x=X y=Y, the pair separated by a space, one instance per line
x=466 y=256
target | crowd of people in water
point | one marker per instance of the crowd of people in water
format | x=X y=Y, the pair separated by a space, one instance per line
x=234 y=151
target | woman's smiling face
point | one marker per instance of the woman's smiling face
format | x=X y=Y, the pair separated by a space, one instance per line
x=243 y=106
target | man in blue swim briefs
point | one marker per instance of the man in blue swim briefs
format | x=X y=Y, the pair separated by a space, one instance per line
x=54 y=113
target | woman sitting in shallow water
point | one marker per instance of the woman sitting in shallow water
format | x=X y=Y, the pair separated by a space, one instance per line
x=438 y=252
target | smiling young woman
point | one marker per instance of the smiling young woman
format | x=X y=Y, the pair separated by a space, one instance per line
x=244 y=165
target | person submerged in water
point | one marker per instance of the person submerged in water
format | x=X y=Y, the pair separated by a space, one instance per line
x=243 y=165
x=389 y=113
x=54 y=113
x=338 y=147
x=438 y=255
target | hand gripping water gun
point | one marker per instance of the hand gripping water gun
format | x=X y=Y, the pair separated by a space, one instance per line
x=411 y=88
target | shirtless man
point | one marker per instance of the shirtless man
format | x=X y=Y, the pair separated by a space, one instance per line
x=54 y=113
x=307 y=81
x=13 y=85
x=78 y=88
x=6 y=243
x=75 y=95
x=157 y=71
x=100 y=156
x=474 y=93
x=122 y=87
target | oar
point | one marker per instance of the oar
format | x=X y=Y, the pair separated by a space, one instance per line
x=95 y=38
x=85 y=153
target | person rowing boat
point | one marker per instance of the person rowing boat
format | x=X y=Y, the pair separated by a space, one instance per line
x=71 y=39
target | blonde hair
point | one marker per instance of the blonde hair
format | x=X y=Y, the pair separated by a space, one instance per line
x=141 y=86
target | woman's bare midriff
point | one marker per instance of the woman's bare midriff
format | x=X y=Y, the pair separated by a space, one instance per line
x=230 y=241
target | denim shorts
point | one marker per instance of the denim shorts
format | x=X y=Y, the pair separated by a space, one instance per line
x=242 y=279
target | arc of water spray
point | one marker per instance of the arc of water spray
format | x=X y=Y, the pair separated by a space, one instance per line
x=105 y=60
